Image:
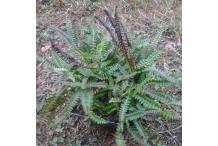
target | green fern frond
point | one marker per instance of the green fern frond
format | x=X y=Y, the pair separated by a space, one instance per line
x=54 y=102
x=86 y=97
x=97 y=119
x=156 y=39
x=124 y=108
x=96 y=85
x=61 y=63
x=60 y=70
x=91 y=38
x=141 y=131
x=162 y=98
x=147 y=102
x=105 y=55
x=123 y=111
x=71 y=103
x=100 y=49
x=139 y=114
x=149 y=81
x=124 y=85
x=149 y=60
x=125 y=77
x=114 y=100
x=119 y=136
x=86 y=72
x=55 y=63
x=170 y=114
x=112 y=69
x=77 y=54
x=136 y=136
x=85 y=85
x=64 y=36
x=72 y=34
x=50 y=65
x=165 y=75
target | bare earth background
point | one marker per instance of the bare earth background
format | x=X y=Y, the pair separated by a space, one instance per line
x=146 y=15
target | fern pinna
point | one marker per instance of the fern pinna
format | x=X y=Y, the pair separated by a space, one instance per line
x=111 y=84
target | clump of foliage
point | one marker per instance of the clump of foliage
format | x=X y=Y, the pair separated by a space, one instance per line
x=112 y=79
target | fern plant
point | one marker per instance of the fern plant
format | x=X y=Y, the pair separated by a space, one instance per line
x=111 y=79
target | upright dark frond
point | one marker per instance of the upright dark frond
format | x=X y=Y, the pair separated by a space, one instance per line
x=108 y=29
x=111 y=19
x=125 y=34
x=113 y=23
x=122 y=41
x=121 y=38
x=66 y=57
